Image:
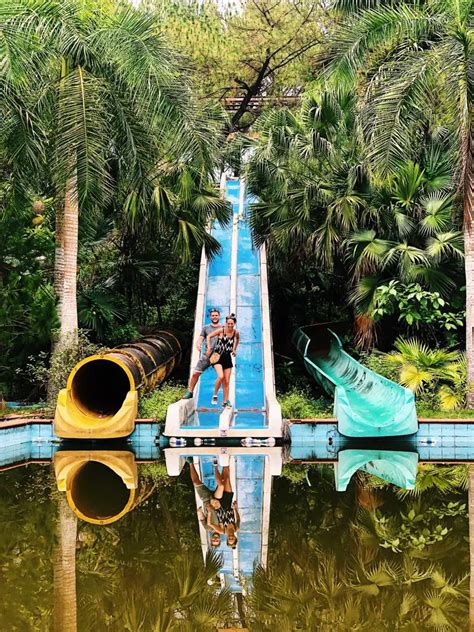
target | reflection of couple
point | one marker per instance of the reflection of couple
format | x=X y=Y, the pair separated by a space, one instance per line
x=221 y=340
x=222 y=514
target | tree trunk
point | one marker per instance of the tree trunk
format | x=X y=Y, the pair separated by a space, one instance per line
x=468 y=195
x=67 y=308
x=59 y=256
x=58 y=288
x=64 y=564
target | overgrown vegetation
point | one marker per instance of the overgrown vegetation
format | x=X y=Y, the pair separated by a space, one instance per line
x=155 y=404
x=360 y=163
x=299 y=404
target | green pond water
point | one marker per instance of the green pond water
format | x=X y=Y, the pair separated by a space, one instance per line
x=365 y=559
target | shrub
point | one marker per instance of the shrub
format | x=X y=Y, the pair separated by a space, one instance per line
x=415 y=307
x=296 y=473
x=376 y=362
x=155 y=472
x=122 y=335
x=50 y=373
x=298 y=404
x=155 y=405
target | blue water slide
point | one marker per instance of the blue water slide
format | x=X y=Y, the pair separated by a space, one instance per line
x=234 y=281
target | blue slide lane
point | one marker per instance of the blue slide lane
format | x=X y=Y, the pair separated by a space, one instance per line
x=218 y=295
x=249 y=379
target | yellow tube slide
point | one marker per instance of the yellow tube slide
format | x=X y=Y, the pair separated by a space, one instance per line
x=100 y=400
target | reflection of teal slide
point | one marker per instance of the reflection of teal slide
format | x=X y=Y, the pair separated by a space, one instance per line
x=365 y=403
x=398 y=468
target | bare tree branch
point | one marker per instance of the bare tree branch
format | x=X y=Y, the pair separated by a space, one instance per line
x=294 y=55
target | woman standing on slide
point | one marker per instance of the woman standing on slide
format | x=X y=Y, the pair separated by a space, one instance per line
x=227 y=344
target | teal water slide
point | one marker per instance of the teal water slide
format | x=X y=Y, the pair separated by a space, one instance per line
x=366 y=404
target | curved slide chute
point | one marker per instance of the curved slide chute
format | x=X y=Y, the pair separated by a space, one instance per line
x=366 y=404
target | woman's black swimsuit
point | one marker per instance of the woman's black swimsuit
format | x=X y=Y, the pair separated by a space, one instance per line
x=225 y=346
x=225 y=514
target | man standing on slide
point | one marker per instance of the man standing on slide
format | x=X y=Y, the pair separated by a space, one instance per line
x=203 y=362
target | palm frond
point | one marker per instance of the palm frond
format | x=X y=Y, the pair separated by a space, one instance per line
x=363 y=33
x=83 y=136
x=437 y=209
x=443 y=245
x=395 y=101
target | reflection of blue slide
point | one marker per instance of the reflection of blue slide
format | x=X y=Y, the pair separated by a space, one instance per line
x=398 y=468
x=249 y=474
x=234 y=281
x=365 y=404
x=251 y=471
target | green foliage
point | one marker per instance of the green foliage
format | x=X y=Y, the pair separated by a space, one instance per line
x=123 y=334
x=296 y=473
x=27 y=512
x=63 y=359
x=335 y=567
x=424 y=410
x=307 y=171
x=413 y=61
x=411 y=65
x=417 y=529
x=298 y=404
x=27 y=301
x=330 y=562
x=415 y=306
x=155 y=404
x=357 y=188
x=437 y=373
x=334 y=570
x=376 y=362
x=144 y=152
x=268 y=46
x=97 y=311
x=430 y=478
x=155 y=472
x=320 y=202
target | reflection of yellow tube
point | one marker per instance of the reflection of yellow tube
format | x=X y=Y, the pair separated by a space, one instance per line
x=100 y=485
x=101 y=396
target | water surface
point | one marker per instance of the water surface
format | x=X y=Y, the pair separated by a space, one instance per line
x=370 y=558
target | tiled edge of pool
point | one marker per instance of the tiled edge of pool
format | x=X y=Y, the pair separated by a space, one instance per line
x=434 y=441
x=315 y=440
x=33 y=440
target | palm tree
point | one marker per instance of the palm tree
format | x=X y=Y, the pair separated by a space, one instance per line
x=407 y=235
x=415 y=63
x=356 y=595
x=114 y=111
x=308 y=171
x=439 y=371
x=320 y=201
